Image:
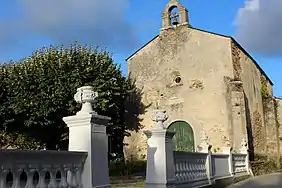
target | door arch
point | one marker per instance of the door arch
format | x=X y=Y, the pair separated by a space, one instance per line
x=183 y=139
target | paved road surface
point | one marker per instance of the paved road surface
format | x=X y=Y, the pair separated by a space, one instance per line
x=265 y=181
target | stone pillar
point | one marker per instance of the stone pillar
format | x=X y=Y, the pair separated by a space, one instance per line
x=183 y=14
x=87 y=133
x=271 y=128
x=238 y=117
x=245 y=150
x=160 y=161
x=205 y=147
x=228 y=151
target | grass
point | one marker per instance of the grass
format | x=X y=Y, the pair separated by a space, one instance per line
x=138 y=184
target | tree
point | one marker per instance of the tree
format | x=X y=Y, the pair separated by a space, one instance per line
x=37 y=92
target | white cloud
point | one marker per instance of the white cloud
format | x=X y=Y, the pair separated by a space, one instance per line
x=259 y=26
x=101 y=22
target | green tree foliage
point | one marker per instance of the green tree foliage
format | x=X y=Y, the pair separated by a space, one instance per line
x=37 y=92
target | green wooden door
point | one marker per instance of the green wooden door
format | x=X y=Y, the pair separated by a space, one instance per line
x=183 y=139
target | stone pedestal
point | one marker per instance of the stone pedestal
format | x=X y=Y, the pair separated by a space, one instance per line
x=160 y=165
x=228 y=151
x=87 y=133
x=205 y=147
x=245 y=150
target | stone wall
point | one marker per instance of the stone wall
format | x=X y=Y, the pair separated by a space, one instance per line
x=261 y=108
x=208 y=81
x=279 y=111
x=182 y=70
x=236 y=99
x=250 y=75
x=272 y=126
x=279 y=120
x=236 y=112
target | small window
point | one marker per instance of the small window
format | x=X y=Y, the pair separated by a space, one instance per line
x=177 y=79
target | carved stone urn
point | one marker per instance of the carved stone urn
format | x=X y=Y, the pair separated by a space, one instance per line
x=86 y=96
x=159 y=116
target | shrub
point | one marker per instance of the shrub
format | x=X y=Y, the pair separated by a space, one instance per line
x=263 y=165
x=127 y=168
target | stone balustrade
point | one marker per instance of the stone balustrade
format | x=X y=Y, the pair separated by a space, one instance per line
x=168 y=168
x=85 y=165
x=220 y=164
x=32 y=169
x=190 y=166
x=239 y=162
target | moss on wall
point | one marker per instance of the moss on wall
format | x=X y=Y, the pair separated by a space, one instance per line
x=270 y=110
x=266 y=99
x=265 y=94
x=258 y=132
x=277 y=123
x=236 y=61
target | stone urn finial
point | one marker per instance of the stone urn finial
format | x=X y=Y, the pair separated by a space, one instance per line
x=226 y=141
x=159 y=116
x=244 y=146
x=244 y=143
x=204 y=137
x=86 y=96
x=204 y=145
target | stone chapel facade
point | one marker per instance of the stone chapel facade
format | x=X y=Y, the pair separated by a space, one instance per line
x=208 y=84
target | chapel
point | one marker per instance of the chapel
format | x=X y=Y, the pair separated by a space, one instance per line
x=209 y=86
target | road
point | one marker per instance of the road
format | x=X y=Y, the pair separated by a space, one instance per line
x=265 y=181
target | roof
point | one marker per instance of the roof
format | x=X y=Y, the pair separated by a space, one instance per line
x=226 y=36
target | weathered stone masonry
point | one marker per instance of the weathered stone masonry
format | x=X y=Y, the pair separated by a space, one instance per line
x=207 y=80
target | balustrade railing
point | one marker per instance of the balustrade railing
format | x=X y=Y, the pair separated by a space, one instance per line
x=239 y=163
x=190 y=166
x=220 y=164
x=40 y=169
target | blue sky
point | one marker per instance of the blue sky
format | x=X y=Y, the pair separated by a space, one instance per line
x=124 y=25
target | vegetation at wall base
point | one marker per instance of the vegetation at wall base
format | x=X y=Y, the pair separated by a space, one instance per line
x=37 y=92
x=263 y=164
x=128 y=168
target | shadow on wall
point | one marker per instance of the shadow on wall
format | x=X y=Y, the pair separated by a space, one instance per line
x=129 y=120
x=151 y=165
x=133 y=109
x=249 y=128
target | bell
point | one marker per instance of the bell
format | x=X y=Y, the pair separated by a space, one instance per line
x=174 y=19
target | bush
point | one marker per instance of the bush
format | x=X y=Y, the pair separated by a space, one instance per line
x=127 y=168
x=263 y=165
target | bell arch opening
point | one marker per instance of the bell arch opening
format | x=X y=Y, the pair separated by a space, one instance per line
x=174 y=16
x=183 y=139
